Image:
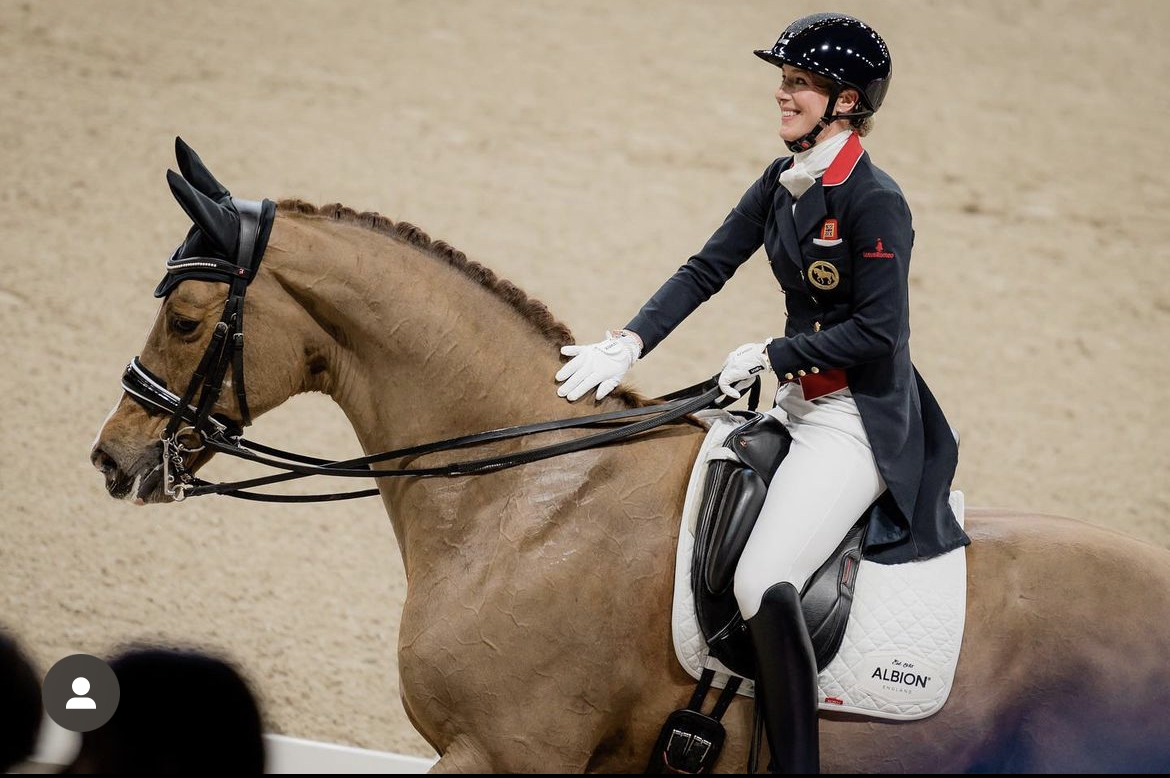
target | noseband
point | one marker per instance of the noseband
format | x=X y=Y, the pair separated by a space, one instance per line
x=193 y=427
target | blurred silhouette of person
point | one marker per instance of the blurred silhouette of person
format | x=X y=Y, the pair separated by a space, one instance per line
x=179 y=712
x=20 y=704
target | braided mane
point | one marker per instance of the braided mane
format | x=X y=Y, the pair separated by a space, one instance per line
x=529 y=308
x=533 y=310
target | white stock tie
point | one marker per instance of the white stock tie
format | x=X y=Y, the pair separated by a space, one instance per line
x=796 y=179
x=808 y=166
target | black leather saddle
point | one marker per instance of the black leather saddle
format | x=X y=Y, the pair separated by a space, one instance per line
x=733 y=494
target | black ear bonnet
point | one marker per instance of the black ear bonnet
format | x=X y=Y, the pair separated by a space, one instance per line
x=211 y=250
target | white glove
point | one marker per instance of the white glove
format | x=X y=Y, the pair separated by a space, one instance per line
x=598 y=364
x=742 y=364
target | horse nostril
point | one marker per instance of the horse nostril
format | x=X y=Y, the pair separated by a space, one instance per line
x=103 y=461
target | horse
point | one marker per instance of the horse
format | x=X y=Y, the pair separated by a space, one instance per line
x=535 y=634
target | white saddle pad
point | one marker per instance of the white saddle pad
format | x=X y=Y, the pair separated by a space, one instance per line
x=897 y=659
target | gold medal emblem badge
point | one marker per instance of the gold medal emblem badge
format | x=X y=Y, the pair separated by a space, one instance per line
x=823 y=275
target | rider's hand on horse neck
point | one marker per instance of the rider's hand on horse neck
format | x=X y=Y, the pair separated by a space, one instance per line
x=600 y=365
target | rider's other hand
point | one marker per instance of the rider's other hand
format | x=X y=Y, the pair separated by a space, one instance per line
x=600 y=365
x=741 y=365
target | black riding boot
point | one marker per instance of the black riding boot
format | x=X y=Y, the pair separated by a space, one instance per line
x=786 y=681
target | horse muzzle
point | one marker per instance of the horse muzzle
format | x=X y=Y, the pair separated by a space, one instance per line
x=140 y=481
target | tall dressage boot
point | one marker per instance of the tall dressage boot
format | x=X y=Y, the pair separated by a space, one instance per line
x=786 y=681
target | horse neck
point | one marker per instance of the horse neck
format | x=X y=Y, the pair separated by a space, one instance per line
x=421 y=350
x=415 y=348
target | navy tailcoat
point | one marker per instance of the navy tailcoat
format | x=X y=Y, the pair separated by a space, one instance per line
x=842 y=260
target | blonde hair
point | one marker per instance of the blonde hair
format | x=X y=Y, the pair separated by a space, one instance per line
x=862 y=125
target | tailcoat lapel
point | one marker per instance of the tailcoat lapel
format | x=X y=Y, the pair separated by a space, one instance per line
x=787 y=227
x=810 y=211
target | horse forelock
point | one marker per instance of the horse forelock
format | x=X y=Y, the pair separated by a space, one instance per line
x=531 y=309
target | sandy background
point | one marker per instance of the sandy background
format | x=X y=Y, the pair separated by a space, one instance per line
x=583 y=151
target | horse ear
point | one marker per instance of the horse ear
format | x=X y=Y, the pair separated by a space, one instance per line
x=218 y=223
x=197 y=173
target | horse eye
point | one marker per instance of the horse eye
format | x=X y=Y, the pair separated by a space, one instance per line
x=184 y=326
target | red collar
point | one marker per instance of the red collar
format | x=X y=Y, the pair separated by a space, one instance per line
x=842 y=165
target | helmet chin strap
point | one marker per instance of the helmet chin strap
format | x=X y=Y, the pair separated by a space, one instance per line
x=808 y=141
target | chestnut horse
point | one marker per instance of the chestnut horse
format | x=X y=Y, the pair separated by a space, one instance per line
x=535 y=636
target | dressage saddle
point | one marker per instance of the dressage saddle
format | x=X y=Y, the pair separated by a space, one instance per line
x=733 y=494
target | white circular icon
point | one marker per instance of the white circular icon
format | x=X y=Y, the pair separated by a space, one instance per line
x=81 y=702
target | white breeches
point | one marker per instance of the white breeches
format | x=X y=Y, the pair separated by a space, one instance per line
x=819 y=491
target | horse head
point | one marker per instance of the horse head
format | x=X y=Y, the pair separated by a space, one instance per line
x=202 y=310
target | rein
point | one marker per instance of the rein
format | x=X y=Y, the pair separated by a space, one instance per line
x=687 y=401
x=193 y=428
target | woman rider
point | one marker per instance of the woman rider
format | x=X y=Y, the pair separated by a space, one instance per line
x=866 y=431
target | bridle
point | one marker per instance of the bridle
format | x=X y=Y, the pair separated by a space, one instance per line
x=224 y=351
x=193 y=427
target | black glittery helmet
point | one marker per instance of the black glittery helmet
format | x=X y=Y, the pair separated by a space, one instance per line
x=840 y=48
x=843 y=49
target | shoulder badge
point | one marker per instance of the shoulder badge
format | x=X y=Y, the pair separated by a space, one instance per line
x=879 y=252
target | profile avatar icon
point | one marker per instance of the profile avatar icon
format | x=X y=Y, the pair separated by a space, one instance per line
x=81 y=702
x=80 y=693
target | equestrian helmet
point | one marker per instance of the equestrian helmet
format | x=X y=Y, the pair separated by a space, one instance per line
x=841 y=48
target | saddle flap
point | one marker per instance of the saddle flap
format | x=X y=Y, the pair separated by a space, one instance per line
x=743 y=493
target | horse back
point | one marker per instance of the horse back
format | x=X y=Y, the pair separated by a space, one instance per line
x=1066 y=643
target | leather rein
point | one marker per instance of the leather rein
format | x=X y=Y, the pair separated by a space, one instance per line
x=193 y=428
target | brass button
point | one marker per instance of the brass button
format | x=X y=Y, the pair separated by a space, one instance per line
x=788 y=376
x=801 y=373
x=816 y=326
x=815 y=369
